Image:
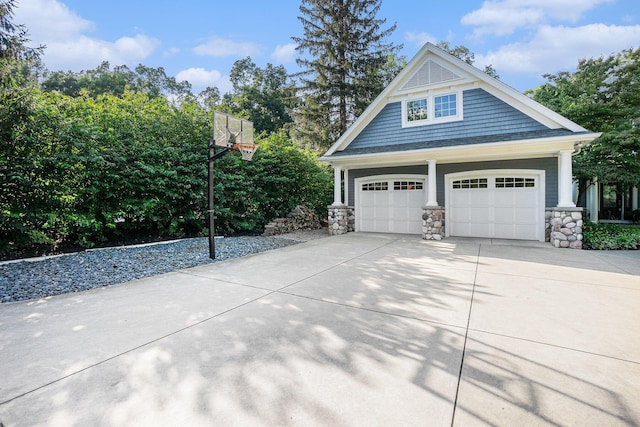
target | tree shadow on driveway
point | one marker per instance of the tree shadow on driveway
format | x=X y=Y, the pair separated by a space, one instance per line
x=377 y=339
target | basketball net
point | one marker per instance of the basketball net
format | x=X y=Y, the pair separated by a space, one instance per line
x=246 y=149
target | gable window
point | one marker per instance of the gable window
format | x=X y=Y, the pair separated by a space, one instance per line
x=417 y=110
x=445 y=106
x=432 y=109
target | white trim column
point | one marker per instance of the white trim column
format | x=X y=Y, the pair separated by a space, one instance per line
x=337 y=186
x=432 y=196
x=565 y=176
x=346 y=186
x=593 y=199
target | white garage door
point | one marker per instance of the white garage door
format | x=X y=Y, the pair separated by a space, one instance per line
x=390 y=204
x=504 y=206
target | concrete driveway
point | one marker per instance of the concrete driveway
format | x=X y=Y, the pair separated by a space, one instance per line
x=354 y=330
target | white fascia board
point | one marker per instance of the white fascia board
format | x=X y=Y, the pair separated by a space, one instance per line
x=495 y=87
x=532 y=108
x=511 y=96
x=378 y=104
x=521 y=149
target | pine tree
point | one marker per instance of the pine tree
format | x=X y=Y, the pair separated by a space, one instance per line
x=14 y=37
x=343 y=55
x=19 y=63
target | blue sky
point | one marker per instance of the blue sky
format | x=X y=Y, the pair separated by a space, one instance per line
x=199 y=40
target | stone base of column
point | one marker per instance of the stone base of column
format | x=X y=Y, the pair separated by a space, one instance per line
x=341 y=219
x=433 y=222
x=563 y=227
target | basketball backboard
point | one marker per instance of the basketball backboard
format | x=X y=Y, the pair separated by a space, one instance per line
x=229 y=130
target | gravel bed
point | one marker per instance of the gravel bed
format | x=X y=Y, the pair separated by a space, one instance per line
x=81 y=271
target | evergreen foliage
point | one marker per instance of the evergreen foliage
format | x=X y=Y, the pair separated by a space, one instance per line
x=343 y=54
x=13 y=37
x=19 y=62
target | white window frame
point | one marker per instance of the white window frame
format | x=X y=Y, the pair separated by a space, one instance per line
x=431 y=110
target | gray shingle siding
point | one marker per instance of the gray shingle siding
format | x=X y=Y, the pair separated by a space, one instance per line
x=456 y=142
x=484 y=115
x=549 y=165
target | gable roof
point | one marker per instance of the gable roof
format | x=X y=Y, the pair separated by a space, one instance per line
x=432 y=65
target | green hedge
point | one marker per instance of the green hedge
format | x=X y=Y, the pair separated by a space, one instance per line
x=610 y=236
x=85 y=170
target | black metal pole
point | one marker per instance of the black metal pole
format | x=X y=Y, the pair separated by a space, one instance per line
x=213 y=156
x=212 y=229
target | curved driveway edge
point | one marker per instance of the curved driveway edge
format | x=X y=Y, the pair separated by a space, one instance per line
x=359 y=329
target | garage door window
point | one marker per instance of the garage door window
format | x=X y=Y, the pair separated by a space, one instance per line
x=470 y=183
x=509 y=182
x=407 y=185
x=376 y=186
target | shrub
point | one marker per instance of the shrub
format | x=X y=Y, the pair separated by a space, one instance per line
x=280 y=176
x=84 y=170
x=610 y=236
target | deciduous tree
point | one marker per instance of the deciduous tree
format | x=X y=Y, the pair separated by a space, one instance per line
x=263 y=96
x=602 y=95
x=105 y=80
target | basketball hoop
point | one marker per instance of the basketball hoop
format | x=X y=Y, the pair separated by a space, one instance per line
x=229 y=133
x=246 y=149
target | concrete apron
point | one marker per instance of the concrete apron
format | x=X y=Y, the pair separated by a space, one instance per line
x=358 y=329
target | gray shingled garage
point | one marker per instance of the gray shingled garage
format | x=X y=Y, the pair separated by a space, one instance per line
x=441 y=116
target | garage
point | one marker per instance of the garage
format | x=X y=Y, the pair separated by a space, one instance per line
x=390 y=204
x=496 y=204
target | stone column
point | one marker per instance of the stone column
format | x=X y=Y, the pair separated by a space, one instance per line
x=433 y=222
x=340 y=220
x=564 y=227
x=565 y=176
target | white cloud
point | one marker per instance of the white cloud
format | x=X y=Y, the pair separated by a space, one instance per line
x=86 y=53
x=503 y=17
x=419 y=38
x=560 y=48
x=494 y=18
x=284 y=53
x=171 y=51
x=50 y=20
x=201 y=78
x=53 y=24
x=131 y=48
x=219 y=47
